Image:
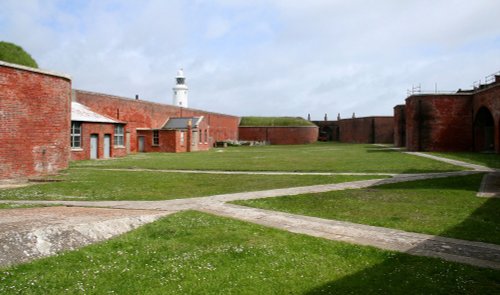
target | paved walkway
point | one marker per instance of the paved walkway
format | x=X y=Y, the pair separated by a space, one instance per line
x=475 y=253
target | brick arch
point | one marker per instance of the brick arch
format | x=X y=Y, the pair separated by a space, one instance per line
x=484 y=130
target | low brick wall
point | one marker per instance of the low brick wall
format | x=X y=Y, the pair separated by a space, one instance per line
x=280 y=135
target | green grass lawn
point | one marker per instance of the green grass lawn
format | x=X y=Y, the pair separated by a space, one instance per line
x=91 y=184
x=196 y=253
x=486 y=159
x=447 y=207
x=22 y=206
x=330 y=157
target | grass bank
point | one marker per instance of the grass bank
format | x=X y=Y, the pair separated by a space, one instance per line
x=195 y=253
x=274 y=122
x=447 y=207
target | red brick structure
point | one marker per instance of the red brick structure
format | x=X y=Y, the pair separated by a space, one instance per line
x=34 y=121
x=366 y=130
x=176 y=139
x=377 y=129
x=399 y=126
x=463 y=121
x=141 y=115
x=94 y=136
x=280 y=135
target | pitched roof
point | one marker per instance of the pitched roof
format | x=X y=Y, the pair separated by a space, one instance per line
x=182 y=122
x=81 y=113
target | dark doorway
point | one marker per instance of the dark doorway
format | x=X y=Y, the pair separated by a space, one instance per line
x=484 y=131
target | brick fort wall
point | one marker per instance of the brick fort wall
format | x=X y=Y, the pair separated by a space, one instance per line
x=34 y=121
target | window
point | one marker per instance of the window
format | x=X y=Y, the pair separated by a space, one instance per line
x=182 y=138
x=193 y=136
x=201 y=136
x=206 y=135
x=118 y=140
x=76 y=134
x=156 y=137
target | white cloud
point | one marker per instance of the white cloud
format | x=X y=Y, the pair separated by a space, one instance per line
x=282 y=57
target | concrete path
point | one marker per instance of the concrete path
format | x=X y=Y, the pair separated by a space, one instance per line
x=453 y=162
x=475 y=253
x=490 y=186
x=441 y=159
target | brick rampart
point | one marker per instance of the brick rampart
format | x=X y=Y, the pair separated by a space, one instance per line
x=34 y=121
x=437 y=122
x=280 y=135
x=399 y=126
x=490 y=99
x=367 y=130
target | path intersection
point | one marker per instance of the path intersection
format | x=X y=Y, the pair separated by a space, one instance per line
x=39 y=238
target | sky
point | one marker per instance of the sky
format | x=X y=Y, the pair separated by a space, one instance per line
x=262 y=58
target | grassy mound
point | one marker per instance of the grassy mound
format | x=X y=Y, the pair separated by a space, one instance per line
x=274 y=121
x=15 y=54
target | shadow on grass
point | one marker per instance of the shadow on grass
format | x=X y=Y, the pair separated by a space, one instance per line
x=404 y=273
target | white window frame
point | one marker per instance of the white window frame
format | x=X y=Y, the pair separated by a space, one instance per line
x=182 y=138
x=118 y=138
x=76 y=132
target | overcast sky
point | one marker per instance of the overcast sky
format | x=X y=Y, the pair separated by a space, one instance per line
x=274 y=57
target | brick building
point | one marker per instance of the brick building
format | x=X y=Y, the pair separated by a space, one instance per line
x=94 y=136
x=142 y=116
x=462 y=121
x=44 y=124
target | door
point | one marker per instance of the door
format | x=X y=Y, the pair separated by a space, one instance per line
x=141 y=143
x=94 y=139
x=107 y=146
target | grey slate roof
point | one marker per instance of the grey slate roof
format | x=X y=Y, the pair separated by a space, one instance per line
x=182 y=123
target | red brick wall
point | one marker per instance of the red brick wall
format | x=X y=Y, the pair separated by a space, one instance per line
x=399 y=126
x=280 y=135
x=437 y=122
x=367 y=130
x=490 y=98
x=144 y=114
x=88 y=128
x=34 y=122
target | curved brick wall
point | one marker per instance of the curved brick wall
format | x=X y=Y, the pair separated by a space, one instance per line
x=439 y=122
x=280 y=135
x=34 y=121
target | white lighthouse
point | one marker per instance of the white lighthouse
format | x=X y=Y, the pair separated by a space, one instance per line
x=180 y=90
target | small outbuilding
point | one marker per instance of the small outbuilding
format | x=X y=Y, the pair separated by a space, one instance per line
x=95 y=136
x=176 y=135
